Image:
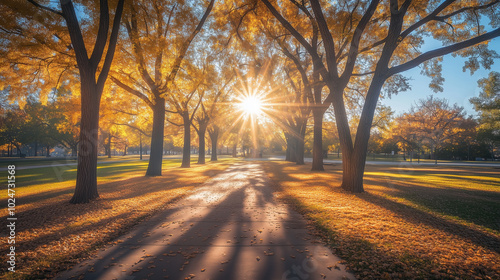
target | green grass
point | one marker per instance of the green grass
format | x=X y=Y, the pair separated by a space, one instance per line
x=37 y=180
x=412 y=222
x=49 y=222
x=460 y=194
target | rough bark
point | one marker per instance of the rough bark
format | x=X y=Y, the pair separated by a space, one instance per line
x=352 y=179
x=317 y=164
x=201 y=140
x=86 y=174
x=186 y=150
x=292 y=144
x=288 y=151
x=140 y=147
x=301 y=142
x=156 y=155
x=214 y=138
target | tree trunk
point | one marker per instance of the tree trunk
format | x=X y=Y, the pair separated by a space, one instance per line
x=317 y=163
x=292 y=145
x=299 y=151
x=36 y=148
x=301 y=142
x=86 y=174
x=186 y=150
x=214 y=137
x=156 y=154
x=235 y=150
x=201 y=140
x=140 y=146
x=354 y=166
x=109 y=145
x=287 y=152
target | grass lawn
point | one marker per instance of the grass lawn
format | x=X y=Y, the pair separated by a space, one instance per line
x=52 y=234
x=410 y=223
x=31 y=161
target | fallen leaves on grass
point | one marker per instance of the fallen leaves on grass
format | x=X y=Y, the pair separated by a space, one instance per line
x=379 y=236
x=54 y=234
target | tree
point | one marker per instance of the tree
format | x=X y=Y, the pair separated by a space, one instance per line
x=488 y=106
x=157 y=59
x=406 y=132
x=392 y=47
x=432 y=122
x=13 y=128
x=308 y=96
x=210 y=107
x=92 y=71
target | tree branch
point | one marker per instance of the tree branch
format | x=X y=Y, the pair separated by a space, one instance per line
x=75 y=34
x=137 y=93
x=138 y=51
x=173 y=123
x=442 y=51
x=112 y=46
x=46 y=8
x=102 y=35
x=331 y=60
x=134 y=127
x=178 y=60
x=354 y=47
x=291 y=29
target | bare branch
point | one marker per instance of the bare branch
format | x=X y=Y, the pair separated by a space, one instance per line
x=46 y=8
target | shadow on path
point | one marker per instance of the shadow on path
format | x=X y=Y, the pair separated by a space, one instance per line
x=229 y=228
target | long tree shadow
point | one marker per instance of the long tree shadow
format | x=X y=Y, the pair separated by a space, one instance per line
x=411 y=214
x=228 y=229
x=469 y=205
x=416 y=216
x=52 y=222
x=364 y=255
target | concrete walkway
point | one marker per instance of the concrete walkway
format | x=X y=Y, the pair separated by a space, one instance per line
x=228 y=228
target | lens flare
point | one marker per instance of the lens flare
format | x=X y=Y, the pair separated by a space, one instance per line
x=251 y=105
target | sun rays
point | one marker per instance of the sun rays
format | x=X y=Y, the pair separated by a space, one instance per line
x=251 y=105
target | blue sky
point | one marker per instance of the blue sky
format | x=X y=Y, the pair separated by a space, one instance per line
x=458 y=86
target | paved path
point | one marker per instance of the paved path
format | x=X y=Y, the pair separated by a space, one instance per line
x=228 y=228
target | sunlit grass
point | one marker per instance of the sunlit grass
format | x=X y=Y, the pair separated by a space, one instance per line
x=411 y=223
x=30 y=181
x=55 y=234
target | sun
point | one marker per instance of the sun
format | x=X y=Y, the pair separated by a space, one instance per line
x=251 y=105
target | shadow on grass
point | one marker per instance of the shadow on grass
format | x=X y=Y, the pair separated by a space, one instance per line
x=416 y=216
x=353 y=248
x=480 y=207
x=51 y=221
